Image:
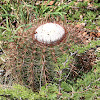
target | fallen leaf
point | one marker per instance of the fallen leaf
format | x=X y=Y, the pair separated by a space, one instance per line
x=83 y=24
x=90 y=5
x=44 y=3
x=98 y=28
x=85 y=33
x=98 y=34
x=80 y=25
x=98 y=49
x=81 y=17
x=95 y=70
x=86 y=0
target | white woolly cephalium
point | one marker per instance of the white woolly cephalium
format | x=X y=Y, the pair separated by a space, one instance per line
x=49 y=33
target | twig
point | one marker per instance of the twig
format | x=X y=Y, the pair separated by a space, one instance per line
x=2 y=22
x=6 y=95
x=60 y=73
x=68 y=73
x=89 y=8
x=84 y=91
x=92 y=82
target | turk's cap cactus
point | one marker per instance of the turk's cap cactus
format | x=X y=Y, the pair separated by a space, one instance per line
x=49 y=33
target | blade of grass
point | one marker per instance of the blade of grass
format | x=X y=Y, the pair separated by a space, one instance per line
x=28 y=28
x=21 y=26
x=5 y=28
x=44 y=6
x=61 y=7
x=6 y=16
x=45 y=9
x=54 y=2
x=58 y=13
